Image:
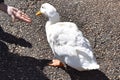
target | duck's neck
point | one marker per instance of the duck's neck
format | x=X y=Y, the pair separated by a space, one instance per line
x=54 y=19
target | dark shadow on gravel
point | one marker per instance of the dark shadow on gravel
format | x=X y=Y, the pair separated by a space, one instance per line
x=86 y=75
x=4 y=36
x=15 y=67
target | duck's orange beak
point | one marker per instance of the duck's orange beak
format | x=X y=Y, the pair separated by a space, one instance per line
x=38 y=13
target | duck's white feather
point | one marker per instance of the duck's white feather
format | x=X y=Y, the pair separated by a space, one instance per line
x=68 y=44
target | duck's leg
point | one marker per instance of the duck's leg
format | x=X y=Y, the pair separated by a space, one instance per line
x=56 y=63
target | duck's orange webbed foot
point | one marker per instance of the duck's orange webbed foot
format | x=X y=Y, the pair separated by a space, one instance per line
x=56 y=63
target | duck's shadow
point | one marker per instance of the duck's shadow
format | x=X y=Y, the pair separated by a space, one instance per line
x=86 y=75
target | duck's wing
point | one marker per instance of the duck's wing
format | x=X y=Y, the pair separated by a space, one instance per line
x=62 y=34
x=67 y=35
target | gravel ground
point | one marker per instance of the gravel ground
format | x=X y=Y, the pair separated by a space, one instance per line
x=24 y=51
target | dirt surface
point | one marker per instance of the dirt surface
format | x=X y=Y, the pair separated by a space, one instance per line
x=24 y=51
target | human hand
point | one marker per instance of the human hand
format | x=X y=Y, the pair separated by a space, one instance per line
x=15 y=13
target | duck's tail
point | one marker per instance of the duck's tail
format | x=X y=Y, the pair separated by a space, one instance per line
x=93 y=66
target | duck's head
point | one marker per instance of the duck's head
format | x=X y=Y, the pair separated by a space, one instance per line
x=47 y=9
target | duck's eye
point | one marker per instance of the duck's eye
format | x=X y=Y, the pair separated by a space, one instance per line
x=42 y=7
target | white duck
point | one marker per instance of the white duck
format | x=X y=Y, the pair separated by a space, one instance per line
x=67 y=42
